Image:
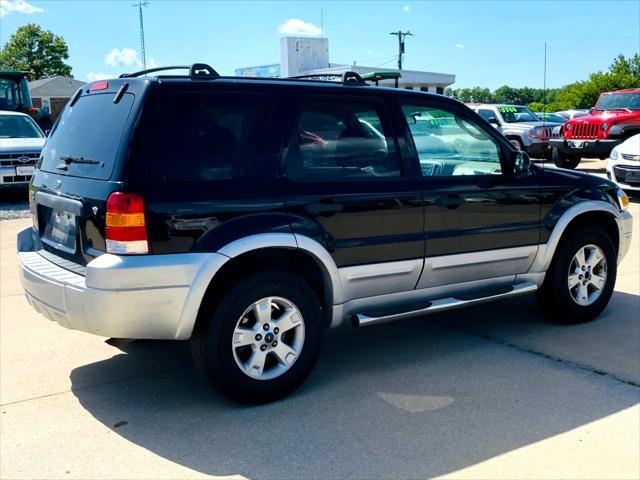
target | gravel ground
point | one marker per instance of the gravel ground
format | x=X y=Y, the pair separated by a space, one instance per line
x=14 y=204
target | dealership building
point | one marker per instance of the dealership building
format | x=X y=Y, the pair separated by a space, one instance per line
x=310 y=56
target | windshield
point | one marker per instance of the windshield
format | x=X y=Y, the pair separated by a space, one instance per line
x=9 y=94
x=17 y=126
x=517 y=114
x=619 y=101
x=551 y=117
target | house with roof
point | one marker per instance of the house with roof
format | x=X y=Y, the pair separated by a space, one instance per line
x=52 y=94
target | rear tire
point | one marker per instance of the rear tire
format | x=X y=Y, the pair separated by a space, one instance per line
x=564 y=302
x=265 y=370
x=565 y=160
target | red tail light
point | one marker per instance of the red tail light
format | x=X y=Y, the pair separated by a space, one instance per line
x=32 y=111
x=126 y=231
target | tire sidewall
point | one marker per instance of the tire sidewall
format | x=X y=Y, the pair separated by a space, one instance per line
x=219 y=361
x=568 y=309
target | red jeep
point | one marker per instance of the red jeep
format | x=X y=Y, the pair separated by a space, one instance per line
x=615 y=118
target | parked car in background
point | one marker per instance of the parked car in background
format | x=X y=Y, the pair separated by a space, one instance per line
x=15 y=97
x=519 y=124
x=249 y=215
x=21 y=141
x=571 y=114
x=624 y=164
x=615 y=118
x=550 y=117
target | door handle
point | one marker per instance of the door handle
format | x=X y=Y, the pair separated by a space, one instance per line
x=451 y=201
x=323 y=208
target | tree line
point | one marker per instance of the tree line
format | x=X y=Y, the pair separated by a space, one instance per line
x=622 y=73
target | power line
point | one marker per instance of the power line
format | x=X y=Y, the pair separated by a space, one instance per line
x=143 y=56
x=401 y=35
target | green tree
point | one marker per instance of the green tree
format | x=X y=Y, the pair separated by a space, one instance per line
x=36 y=50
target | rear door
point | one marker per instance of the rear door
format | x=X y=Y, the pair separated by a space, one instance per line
x=481 y=221
x=346 y=187
x=81 y=164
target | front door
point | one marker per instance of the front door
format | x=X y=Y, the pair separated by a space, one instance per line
x=481 y=220
x=346 y=188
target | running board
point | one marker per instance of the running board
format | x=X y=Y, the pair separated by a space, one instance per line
x=361 y=319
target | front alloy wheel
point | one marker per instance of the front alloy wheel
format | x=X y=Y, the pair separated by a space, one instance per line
x=587 y=275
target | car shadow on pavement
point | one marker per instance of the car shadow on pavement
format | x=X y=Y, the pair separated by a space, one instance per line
x=416 y=398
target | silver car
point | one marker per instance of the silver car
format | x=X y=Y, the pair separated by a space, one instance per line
x=21 y=142
x=520 y=125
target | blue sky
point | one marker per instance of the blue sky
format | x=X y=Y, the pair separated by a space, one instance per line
x=486 y=43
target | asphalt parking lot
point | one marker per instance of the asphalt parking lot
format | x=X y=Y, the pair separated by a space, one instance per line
x=494 y=391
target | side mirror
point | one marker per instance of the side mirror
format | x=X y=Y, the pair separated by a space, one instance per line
x=521 y=163
x=591 y=110
x=493 y=121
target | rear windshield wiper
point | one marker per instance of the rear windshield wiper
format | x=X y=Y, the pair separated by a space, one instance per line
x=68 y=159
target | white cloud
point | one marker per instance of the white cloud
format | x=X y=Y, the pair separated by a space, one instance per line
x=406 y=8
x=93 y=76
x=119 y=57
x=17 y=6
x=459 y=45
x=295 y=26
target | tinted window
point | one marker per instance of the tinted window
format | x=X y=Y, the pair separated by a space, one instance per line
x=448 y=145
x=91 y=129
x=17 y=126
x=487 y=114
x=342 y=139
x=9 y=96
x=206 y=136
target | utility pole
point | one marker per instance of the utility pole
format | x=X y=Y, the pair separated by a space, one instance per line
x=143 y=57
x=400 y=34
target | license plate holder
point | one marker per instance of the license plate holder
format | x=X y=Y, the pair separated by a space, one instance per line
x=576 y=143
x=25 y=171
x=632 y=176
x=60 y=230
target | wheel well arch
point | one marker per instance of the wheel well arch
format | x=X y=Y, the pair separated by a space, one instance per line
x=599 y=218
x=295 y=260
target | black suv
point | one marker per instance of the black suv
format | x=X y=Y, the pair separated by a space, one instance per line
x=248 y=215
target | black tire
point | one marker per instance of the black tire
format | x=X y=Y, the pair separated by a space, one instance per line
x=564 y=160
x=212 y=339
x=554 y=297
x=516 y=142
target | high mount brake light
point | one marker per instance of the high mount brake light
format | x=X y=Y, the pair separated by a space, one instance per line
x=98 y=86
x=126 y=231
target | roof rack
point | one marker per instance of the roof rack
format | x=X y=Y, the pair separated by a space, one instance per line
x=346 y=77
x=197 y=71
x=377 y=76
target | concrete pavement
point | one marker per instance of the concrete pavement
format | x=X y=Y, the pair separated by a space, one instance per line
x=494 y=391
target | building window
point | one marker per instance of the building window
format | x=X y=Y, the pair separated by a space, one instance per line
x=440 y=90
x=424 y=89
x=408 y=88
x=46 y=105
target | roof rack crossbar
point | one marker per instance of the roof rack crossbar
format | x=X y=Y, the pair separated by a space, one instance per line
x=346 y=77
x=196 y=71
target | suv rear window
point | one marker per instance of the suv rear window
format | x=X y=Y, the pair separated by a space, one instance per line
x=92 y=130
x=204 y=136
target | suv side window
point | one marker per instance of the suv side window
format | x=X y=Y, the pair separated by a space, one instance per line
x=487 y=114
x=342 y=139
x=449 y=145
x=205 y=136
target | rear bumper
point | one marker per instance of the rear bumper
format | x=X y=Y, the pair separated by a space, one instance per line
x=150 y=296
x=589 y=147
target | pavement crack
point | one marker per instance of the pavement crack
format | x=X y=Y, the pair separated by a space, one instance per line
x=88 y=387
x=548 y=356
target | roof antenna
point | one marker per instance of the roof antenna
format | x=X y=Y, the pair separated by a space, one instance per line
x=143 y=57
